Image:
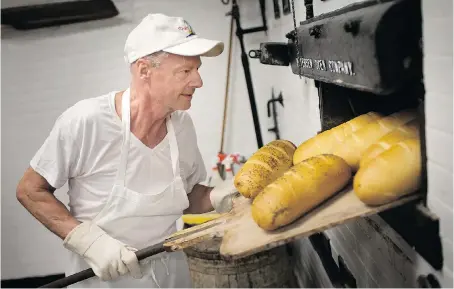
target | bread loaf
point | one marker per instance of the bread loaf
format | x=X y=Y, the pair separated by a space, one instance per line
x=325 y=142
x=353 y=147
x=299 y=190
x=393 y=174
x=403 y=132
x=263 y=167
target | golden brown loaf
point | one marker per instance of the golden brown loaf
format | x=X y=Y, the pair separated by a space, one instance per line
x=403 y=132
x=299 y=190
x=264 y=166
x=325 y=142
x=394 y=173
x=353 y=147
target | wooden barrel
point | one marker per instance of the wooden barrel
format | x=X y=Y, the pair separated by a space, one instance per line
x=269 y=269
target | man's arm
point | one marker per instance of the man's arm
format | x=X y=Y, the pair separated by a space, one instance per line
x=199 y=200
x=36 y=195
x=108 y=257
x=203 y=199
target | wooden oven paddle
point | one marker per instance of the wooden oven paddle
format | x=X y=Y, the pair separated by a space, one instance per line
x=241 y=237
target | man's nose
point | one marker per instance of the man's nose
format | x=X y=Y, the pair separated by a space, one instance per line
x=197 y=80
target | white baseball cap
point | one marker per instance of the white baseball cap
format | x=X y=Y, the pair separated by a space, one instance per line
x=158 y=32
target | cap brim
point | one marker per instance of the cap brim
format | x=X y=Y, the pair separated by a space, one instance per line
x=198 y=47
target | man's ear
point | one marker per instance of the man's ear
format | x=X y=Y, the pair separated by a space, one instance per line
x=143 y=68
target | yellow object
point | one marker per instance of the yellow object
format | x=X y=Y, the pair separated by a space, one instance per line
x=299 y=190
x=326 y=142
x=353 y=147
x=394 y=173
x=263 y=167
x=197 y=219
x=403 y=132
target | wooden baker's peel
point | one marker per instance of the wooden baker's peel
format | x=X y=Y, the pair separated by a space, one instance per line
x=242 y=237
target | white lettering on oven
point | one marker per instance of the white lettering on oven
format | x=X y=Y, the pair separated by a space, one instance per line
x=320 y=65
x=344 y=67
x=306 y=63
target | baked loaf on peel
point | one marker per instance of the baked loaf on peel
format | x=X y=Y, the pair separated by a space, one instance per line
x=326 y=142
x=394 y=173
x=403 y=132
x=263 y=167
x=299 y=190
x=354 y=146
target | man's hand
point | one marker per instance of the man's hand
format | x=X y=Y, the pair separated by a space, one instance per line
x=203 y=199
x=222 y=196
x=108 y=257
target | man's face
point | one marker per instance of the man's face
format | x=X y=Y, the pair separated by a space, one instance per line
x=174 y=82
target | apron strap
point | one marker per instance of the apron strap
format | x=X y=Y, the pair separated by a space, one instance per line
x=174 y=153
x=126 y=121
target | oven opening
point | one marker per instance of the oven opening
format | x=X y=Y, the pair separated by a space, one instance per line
x=412 y=221
x=367 y=57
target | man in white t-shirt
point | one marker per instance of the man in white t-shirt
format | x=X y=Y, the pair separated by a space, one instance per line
x=132 y=164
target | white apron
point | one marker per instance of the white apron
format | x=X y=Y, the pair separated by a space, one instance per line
x=141 y=220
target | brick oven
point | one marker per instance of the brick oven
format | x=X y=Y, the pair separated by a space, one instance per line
x=381 y=56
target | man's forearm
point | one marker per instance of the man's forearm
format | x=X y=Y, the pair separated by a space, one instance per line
x=199 y=200
x=44 y=206
x=49 y=211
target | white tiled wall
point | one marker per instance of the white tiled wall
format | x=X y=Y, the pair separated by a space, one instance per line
x=438 y=63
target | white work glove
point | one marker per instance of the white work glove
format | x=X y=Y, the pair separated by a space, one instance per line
x=108 y=257
x=222 y=196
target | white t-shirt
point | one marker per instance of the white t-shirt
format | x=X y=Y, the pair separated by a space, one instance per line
x=84 y=147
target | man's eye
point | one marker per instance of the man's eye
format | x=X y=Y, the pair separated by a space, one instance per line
x=187 y=71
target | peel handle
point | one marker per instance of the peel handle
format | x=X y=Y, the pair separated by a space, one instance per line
x=88 y=273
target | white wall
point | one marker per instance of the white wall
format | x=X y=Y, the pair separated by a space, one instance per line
x=47 y=70
x=438 y=73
